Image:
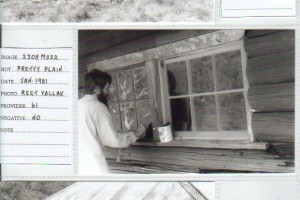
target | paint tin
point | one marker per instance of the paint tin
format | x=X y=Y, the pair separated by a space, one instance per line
x=165 y=133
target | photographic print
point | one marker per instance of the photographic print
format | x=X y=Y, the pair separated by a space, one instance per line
x=30 y=190
x=138 y=191
x=186 y=101
x=107 y=11
x=107 y=190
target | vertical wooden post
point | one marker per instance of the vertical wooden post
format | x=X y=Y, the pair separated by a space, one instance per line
x=150 y=69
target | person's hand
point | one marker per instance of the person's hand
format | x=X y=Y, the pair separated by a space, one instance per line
x=140 y=132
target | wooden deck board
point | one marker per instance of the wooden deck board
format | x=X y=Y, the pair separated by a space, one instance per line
x=195 y=160
x=207 y=144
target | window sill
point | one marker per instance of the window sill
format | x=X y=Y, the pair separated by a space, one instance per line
x=208 y=144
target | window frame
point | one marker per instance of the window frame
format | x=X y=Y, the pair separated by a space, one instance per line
x=165 y=98
x=148 y=70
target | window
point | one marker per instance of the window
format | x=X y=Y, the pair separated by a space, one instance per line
x=128 y=101
x=203 y=95
x=206 y=94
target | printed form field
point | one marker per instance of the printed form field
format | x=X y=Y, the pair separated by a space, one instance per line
x=257 y=8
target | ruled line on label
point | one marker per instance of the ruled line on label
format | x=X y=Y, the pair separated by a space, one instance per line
x=50 y=120
x=236 y=9
x=34 y=144
x=37 y=108
x=34 y=96
x=61 y=59
x=51 y=108
x=36 y=72
x=2 y=163
x=36 y=132
x=35 y=83
x=34 y=156
x=42 y=48
x=256 y=8
x=47 y=120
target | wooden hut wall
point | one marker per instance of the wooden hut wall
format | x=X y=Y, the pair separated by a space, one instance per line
x=271 y=71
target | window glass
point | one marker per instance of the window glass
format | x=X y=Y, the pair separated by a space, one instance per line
x=143 y=112
x=125 y=85
x=115 y=114
x=181 y=114
x=206 y=113
x=229 y=71
x=232 y=111
x=140 y=83
x=217 y=100
x=128 y=113
x=177 y=78
x=113 y=92
x=202 y=75
x=129 y=102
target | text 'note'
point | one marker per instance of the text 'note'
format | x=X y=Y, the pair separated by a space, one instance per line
x=36 y=103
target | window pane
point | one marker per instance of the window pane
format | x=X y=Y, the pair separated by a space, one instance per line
x=113 y=93
x=125 y=85
x=229 y=70
x=205 y=113
x=177 y=78
x=232 y=111
x=181 y=114
x=115 y=114
x=140 y=83
x=202 y=75
x=144 y=112
x=128 y=115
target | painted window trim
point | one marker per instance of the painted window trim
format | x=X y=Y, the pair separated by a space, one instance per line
x=150 y=89
x=220 y=135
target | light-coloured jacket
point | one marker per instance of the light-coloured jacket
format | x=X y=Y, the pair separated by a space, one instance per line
x=95 y=130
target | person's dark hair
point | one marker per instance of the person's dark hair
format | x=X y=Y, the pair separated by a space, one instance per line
x=94 y=79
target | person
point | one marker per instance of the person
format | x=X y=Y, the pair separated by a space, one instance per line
x=95 y=127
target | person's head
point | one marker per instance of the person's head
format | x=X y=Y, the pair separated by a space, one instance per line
x=97 y=82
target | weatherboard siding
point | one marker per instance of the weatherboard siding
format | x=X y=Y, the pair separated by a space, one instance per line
x=271 y=71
